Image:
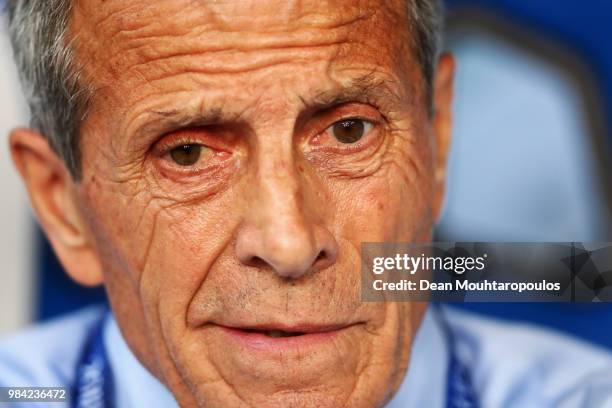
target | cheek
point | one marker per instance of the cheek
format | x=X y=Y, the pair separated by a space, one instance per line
x=392 y=205
x=163 y=247
x=187 y=241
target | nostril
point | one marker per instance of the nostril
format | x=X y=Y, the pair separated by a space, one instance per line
x=257 y=262
x=323 y=260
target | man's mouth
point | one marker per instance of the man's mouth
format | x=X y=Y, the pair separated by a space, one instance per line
x=278 y=338
x=275 y=333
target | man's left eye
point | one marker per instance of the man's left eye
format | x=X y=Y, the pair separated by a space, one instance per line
x=186 y=155
x=349 y=131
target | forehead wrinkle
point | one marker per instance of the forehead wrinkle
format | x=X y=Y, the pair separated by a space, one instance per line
x=133 y=41
x=206 y=52
x=118 y=16
x=310 y=14
x=235 y=62
x=130 y=22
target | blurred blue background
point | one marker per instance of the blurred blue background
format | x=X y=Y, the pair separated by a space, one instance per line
x=531 y=151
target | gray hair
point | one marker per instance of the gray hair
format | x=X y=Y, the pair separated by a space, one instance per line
x=50 y=79
x=58 y=97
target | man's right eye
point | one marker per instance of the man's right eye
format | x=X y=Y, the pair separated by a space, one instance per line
x=349 y=131
x=187 y=154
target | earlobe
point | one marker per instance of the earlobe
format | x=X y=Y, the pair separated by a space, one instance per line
x=442 y=124
x=52 y=193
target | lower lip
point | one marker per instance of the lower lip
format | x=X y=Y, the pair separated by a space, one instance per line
x=261 y=342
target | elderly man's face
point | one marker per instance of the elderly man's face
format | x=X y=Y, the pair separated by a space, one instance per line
x=235 y=155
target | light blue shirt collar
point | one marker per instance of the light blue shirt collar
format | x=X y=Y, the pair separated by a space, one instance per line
x=424 y=385
x=426 y=380
x=134 y=385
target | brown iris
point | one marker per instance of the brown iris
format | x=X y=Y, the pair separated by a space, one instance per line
x=349 y=130
x=186 y=155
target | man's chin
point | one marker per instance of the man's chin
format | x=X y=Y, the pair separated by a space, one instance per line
x=269 y=395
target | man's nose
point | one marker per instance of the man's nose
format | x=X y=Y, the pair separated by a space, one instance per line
x=284 y=228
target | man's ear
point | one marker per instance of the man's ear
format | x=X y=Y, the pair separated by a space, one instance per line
x=53 y=194
x=442 y=124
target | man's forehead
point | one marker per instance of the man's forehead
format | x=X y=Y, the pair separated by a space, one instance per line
x=239 y=14
x=135 y=51
x=131 y=31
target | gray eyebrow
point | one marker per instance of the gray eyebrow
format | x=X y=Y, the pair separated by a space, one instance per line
x=159 y=120
x=367 y=88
